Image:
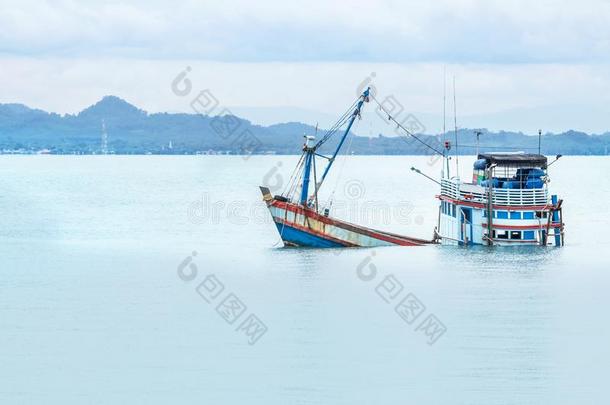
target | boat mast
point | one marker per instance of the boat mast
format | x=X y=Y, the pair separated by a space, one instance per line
x=309 y=151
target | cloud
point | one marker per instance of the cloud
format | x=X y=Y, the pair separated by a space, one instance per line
x=456 y=31
x=559 y=94
x=279 y=58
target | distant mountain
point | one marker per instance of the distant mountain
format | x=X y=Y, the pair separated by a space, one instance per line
x=131 y=130
x=112 y=107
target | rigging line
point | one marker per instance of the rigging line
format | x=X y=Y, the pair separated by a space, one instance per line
x=281 y=235
x=344 y=161
x=322 y=156
x=356 y=114
x=405 y=129
x=298 y=184
x=348 y=112
x=331 y=133
x=292 y=176
x=346 y=115
x=348 y=130
x=282 y=230
x=292 y=184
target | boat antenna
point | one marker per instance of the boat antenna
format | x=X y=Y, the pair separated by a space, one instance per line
x=444 y=114
x=444 y=100
x=457 y=166
x=477 y=133
x=539 y=139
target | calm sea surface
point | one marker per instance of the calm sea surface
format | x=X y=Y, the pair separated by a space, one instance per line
x=93 y=309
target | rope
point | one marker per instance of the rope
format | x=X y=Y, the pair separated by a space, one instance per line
x=281 y=239
x=405 y=129
x=337 y=124
x=292 y=183
x=340 y=173
x=282 y=230
x=346 y=115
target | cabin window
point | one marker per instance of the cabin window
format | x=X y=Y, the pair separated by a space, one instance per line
x=502 y=235
x=540 y=214
x=453 y=210
x=502 y=215
x=515 y=234
x=528 y=235
x=515 y=215
x=528 y=215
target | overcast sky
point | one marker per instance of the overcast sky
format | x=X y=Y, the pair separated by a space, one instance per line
x=519 y=65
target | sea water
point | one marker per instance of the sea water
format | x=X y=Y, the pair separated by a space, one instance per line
x=162 y=280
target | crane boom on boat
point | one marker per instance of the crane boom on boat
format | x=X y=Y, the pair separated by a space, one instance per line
x=310 y=151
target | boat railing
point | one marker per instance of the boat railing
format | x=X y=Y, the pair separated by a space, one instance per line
x=501 y=196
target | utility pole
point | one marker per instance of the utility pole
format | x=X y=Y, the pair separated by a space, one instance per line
x=104 y=140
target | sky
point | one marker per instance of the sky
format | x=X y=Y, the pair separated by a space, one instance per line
x=518 y=65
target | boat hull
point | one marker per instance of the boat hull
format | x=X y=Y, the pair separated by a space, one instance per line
x=304 y=227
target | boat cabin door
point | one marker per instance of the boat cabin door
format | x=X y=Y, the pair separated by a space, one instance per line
x=466 y=225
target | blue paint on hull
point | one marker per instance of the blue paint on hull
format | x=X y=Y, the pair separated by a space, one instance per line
x=301 y=238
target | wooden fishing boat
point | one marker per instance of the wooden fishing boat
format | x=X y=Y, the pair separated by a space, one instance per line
x=300 y=225
x=296 y=215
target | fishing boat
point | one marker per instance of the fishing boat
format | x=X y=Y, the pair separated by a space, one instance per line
x=297 y=215
x=508 y=202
